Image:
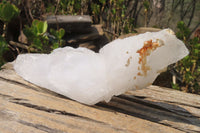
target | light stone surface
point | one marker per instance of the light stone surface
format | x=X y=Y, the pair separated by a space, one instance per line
x=89 y=77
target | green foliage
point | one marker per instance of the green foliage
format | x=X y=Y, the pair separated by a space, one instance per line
x=41 y=27
x=58 y=34
x=38 y=38
x=111 y=13
x=36 y=34
x=69 y=6
x=3 y=48
x=102 y=1
x=95 y=8
x=116 y=15
x=146 y=4
x=8 y=11
x=183 y=31
x=189 y=67
x=175 y=86
x=38 y=28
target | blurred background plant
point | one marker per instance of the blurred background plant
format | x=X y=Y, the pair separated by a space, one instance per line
x=3 y=48
x=40 y=40
x=110 y=13
x=57 y=41
x=36 y=35
x=189 y=67
x=7 y=13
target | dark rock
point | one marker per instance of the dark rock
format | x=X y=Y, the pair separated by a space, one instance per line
x=164 y=80
x=93 y=40
x=71 y=24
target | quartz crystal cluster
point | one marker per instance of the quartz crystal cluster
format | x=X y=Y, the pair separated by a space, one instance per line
x=89 y=77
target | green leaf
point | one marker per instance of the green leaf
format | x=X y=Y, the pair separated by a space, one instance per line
x=58 y=33
x=37 y=43
x=34 y=23
x=193 y=61
x=175 y=86
x=52 y=31
x=61 y=33
x=3 y=45
x=196 y=51
x=28 y=33
x=146 y=4
x=42 y=27
x=8 y=11
x=114 y=11
x=3 y=48
x=55 y=45
x=34 y=30
x=102 y=1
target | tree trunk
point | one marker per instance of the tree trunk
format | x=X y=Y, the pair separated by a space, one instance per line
x=158 y=8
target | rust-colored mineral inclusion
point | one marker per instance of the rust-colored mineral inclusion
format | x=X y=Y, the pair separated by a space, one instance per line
x=145 y=51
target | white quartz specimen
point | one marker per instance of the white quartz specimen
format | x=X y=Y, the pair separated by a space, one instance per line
x=90 y=77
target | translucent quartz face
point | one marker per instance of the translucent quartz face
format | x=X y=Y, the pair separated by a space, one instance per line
x=89 y=77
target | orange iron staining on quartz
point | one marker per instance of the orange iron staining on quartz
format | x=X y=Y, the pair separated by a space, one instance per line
x=128 y=61
x=145 y=51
